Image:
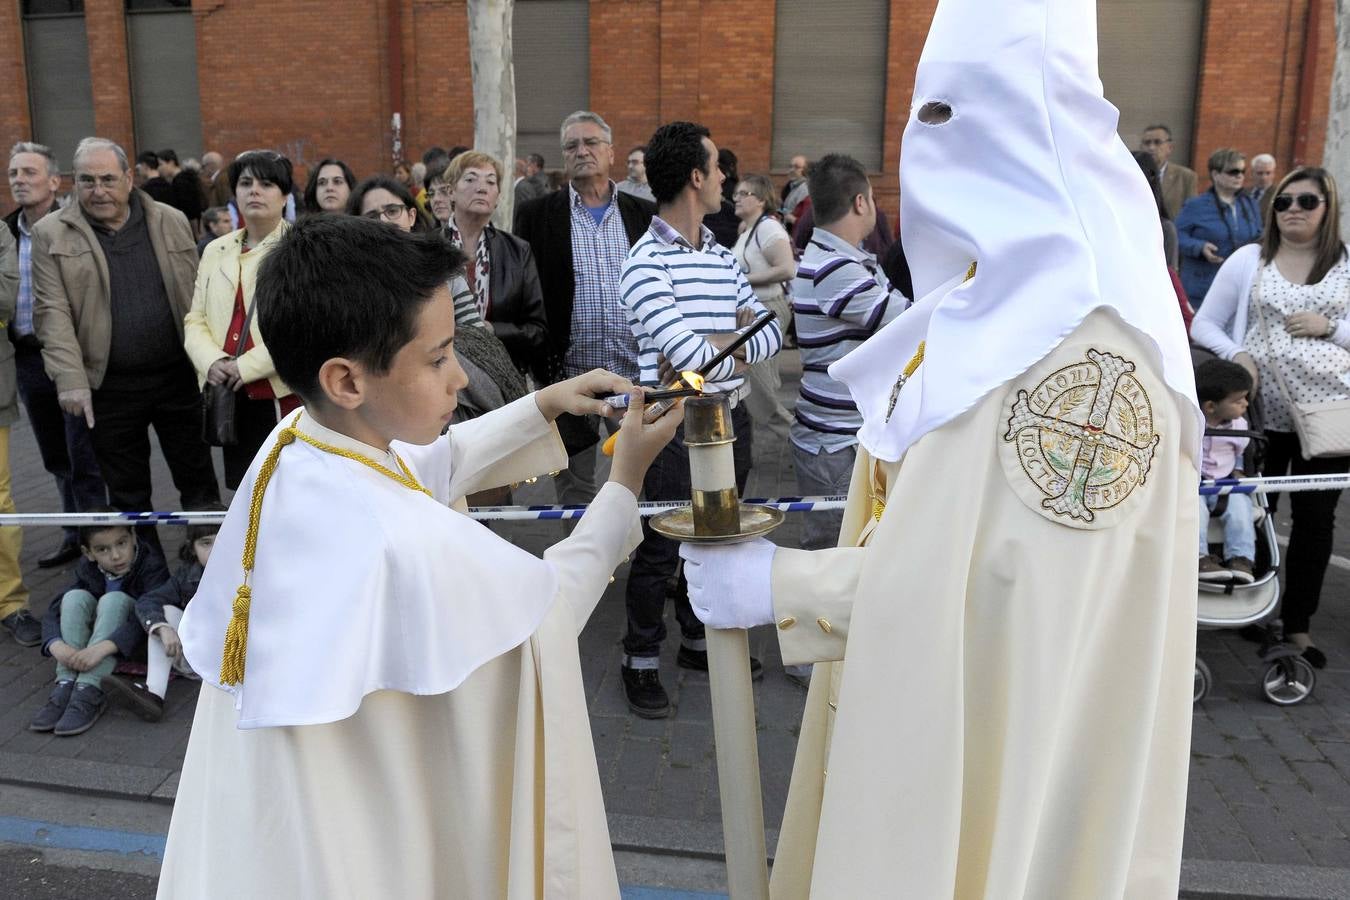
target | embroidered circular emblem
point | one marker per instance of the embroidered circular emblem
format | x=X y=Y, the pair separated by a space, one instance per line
x=1084 y=437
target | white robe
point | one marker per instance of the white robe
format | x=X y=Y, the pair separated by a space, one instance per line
x=487 y=790
x=1013 y=702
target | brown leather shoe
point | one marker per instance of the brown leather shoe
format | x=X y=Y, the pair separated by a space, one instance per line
x=1212 y=570
x=1241 y=567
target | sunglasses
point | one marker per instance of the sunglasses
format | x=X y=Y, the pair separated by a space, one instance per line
x=1236 y=173
x=1285 y=202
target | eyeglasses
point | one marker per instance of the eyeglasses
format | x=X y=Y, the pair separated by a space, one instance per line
x=1235 y=173
x=592 y=144
x=741 y=195
x=1308 y=202
x=389 y=212
x=89 y=182
x=1154 y=142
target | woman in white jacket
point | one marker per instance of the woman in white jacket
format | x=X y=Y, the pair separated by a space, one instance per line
x=213 y=329
x=1281 y=308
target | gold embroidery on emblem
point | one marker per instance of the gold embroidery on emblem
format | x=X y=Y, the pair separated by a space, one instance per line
x=1085 y=435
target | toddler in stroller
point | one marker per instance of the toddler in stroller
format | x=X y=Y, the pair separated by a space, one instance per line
x=1222 y=387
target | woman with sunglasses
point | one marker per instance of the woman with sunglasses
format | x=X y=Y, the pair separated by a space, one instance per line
x=1281 y=308
x=1216 y=223
x=220 y=331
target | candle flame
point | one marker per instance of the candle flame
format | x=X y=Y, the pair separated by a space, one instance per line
x=692 y=380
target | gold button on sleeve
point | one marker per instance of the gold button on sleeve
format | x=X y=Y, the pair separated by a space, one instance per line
x=787 y=622
x=824 y=624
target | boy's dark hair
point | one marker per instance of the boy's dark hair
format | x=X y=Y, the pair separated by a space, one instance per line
x=148 y=158
x=1218 y=379
x=673 y=153
x=196 y=531
x=344 y=286
x=312 y=187
x=833 y=181
x=433 y=154
x=167 y=155
x=266 y=165
x=87 y=532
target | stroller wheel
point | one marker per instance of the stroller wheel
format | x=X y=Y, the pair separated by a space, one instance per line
x=1288 y=680
x=1203 y=681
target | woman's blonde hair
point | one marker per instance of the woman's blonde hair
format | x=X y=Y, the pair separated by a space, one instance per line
x=1330 y=247
x=471 y=159
x=761 y=188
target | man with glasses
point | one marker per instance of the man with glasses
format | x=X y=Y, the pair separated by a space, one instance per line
x=113 y=276
x=1178 y=182
x=636 y=182
x=63 y=440
x=580 y=237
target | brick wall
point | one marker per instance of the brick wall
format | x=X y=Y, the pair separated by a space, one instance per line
x=313 y=79
x=15 y=123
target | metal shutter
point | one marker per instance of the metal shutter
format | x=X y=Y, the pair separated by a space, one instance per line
x=165 y=103
x=829 y=80
x=552 y=49
x=59 y=92
x=1150 y=58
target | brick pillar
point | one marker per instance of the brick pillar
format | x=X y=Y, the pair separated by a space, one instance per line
x=438 y=81
x=109 y=74
x=735 y=53
x=679 y=55
x=626 y=55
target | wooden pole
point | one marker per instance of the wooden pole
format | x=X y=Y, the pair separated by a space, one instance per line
x=709 y=437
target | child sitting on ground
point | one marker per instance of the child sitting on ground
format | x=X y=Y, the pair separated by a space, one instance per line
x=1222 y=388
x=391 y=701
x=94 y=622
x=159 y=612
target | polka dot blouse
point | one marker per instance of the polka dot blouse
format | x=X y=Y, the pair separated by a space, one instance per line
x=1314 y=369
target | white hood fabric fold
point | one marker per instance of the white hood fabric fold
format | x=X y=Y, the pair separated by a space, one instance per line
x=1029 y=179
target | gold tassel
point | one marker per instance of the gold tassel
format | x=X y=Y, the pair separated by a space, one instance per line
x=236 y=632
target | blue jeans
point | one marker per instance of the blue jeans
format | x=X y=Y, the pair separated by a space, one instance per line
x=1239 y=534
x=823 y=474
x=86 y=620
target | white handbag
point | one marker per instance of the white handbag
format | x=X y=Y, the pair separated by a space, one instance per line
x=1323 y=427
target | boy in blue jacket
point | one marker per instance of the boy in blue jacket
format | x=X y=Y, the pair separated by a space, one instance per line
x=94 y=622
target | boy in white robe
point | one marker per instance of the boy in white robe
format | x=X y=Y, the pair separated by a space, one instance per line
x=1010 y=616
x=392 y=702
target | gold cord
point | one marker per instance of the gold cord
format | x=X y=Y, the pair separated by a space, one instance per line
x=236 y=632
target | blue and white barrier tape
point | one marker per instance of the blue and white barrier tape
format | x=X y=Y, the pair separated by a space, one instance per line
x=482 y=513
x=1287 y=484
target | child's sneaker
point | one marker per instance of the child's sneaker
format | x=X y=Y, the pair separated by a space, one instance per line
x=54 y=708
x=1212 y=570
x=1241 y=568
x=135 y=696
x=86 y=705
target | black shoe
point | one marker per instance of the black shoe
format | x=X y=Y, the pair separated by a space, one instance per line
x=646 y=697
x=1316 y=658
x=86 y=704
x=27 y=631
x=135 y=696
x=69 y=549
x=54 y=708
x=689 y=658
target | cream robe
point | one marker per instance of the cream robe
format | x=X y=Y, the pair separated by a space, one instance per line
x=489 y=790
x=1013 y=702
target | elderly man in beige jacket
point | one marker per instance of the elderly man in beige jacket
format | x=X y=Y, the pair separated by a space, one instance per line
x=112 y=280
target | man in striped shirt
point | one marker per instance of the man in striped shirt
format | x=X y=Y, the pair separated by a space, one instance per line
x=840 y=298
x=685 y=296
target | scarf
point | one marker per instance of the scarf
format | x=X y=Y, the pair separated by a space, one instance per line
x=479 y=274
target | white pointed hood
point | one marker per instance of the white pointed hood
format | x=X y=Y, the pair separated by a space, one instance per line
x=1030 y=179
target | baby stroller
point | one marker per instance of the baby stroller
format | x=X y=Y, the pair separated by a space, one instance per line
x=1288 y=678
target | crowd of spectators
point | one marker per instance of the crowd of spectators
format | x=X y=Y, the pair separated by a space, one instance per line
x=130 y=299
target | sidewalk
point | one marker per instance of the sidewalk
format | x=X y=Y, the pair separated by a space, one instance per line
x=1270 y=786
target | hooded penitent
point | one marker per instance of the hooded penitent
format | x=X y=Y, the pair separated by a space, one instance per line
x=1011 y=160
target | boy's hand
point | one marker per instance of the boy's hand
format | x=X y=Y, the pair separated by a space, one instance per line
x=173 y=645
x=61 y=652
x=640 y=443
x=578 y=395
x=90 y=656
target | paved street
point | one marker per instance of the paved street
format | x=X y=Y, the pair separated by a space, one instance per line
x=1270 y=786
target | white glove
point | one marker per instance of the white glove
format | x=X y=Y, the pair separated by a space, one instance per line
x=729 y=584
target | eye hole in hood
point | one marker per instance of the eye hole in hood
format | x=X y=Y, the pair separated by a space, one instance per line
x=935 y=112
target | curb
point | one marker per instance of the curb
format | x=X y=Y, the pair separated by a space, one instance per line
x=677 y=838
